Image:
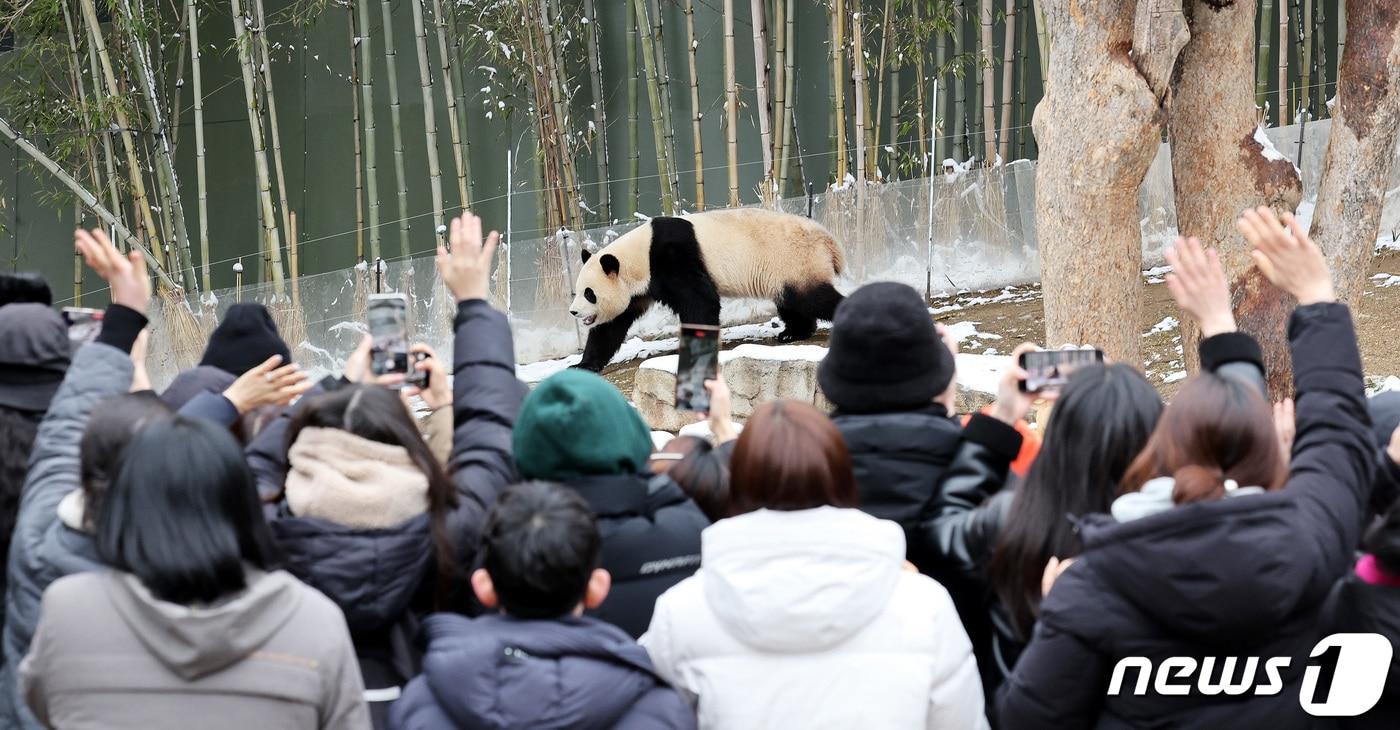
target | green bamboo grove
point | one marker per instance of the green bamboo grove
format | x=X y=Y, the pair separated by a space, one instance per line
x=274 y=134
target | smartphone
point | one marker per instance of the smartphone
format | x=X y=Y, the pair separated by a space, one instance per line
x=1049 y=370
x=699 y=361
x=388 y=327
x=83 y=324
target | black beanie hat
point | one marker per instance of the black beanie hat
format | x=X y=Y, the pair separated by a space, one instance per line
x=244 y=339
x=885 y=354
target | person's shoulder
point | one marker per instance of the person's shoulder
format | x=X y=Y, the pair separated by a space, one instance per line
x=76 y=589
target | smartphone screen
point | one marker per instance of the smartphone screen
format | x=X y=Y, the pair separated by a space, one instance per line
x=388 y=326
x=699 y=361
x=83 y=324
x=1049 y=370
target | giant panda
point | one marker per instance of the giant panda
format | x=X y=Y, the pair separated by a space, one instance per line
x=688 y=263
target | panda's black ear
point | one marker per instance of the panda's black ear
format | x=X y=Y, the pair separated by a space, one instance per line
x=610 y=264
x=586 y=254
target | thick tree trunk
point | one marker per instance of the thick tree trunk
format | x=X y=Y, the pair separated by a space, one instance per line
x=1361 y=152
x=1098 y=129
x=1222 y=165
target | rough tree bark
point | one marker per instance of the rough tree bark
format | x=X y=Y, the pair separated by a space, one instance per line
x=1361 y=151
x=1221 y=166
x=1098 y=129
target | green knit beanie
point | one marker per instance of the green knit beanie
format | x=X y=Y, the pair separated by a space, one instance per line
x=576 y=424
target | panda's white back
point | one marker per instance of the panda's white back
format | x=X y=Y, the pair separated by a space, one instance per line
x=751 y=252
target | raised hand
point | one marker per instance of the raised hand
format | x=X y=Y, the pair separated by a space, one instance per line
x=721 y=415
x=140 y=377
x=1292 y=262
x=1197 y=283
x=125 y=275
x=1012 y=404
x=357 y=367
x=467 y=268
x=439 y=392
x=267 y=385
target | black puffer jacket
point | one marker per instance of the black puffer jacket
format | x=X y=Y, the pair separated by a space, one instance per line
x=1236 y=577
x=379 y=577
x=964 y=523
x=1356 y=606
x=903 y=461
x=651 y=541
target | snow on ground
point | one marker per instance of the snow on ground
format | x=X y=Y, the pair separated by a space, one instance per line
x=1384 y=280
x=1391 y=382
x=1166 y=325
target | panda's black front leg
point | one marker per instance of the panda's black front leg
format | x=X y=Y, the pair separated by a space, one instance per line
x=605 y=339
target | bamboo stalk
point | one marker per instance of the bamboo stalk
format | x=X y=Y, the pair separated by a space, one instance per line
x=77 y=255
x=893 y=143
x=1022 y=120
x=107 y=217
x=1261 y=73
x=1341 y=31
x=1283 y=62
x=668 y=130
x=634 y=160
x=355 y=120
x=1008 y=68
x=600 y=113
x=862 y=102
x=760 y=78
x=272 y=246
x=425 y=76
x=865 y=146
x=458 y=81
x=174 y=111
x=1305 y=71
x=940 y=59
x=988 y=90
x=789 y=101
x=108 y=159
x=658 y=132
x=562 y=139
x=920 y=81
x=265 y=57
x=838 y=76
x=139 y=200
x=366 y=81
x=75 y=78
x=1319 y=59
x=693 y=46
x=779 y=93
x=881 y=76
x=731 y=103
x=192 y=13
x=452 y=85
x=1042 y=35
x=396 y=120
x=957 y=105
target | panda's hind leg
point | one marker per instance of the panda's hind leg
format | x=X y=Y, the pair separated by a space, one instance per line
x=801 y=307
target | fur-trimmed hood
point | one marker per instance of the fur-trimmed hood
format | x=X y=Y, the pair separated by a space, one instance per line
x=340 y=477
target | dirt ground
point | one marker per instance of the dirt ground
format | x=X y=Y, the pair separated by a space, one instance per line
x=1007 y=317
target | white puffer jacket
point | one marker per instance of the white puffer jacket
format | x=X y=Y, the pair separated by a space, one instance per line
x=807 y=619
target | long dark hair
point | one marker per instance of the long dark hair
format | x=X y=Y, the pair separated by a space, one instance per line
x=375 y=413
x=1102 y=419
x=1216 y=428
x=17 y=430
x=182 y=513
x=790 y=457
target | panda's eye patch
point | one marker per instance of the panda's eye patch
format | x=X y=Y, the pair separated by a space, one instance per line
x=590 y=296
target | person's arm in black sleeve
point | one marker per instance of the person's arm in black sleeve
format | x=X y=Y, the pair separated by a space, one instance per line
x=121 y=326
x=485 y=401
x=959 y=528
x=267 y=454
x=1334 y=454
